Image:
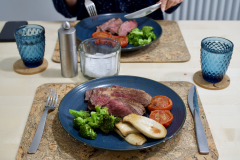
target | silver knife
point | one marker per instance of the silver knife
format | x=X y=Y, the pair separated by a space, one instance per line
x=200 y=133
x=143 y=12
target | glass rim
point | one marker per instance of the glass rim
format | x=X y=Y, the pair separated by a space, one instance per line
x=81 y=51
x=29 y=25
x=230 y=49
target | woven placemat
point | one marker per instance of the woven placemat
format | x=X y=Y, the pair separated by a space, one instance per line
x=57 y=144
x=170 y=47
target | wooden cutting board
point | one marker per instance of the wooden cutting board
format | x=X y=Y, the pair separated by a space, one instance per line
x=57 y=144
x=170 y=47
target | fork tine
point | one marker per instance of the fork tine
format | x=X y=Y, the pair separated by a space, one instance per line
x=94 y=12
x=51 y=101
x=56 y=99
x=49 y=95
x=92 y=9
x=53 y=97
x=90 y=12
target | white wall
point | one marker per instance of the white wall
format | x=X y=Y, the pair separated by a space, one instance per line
x=30 y=10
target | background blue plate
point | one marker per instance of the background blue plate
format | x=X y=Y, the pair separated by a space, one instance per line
x=75 y=100
x=86 y=27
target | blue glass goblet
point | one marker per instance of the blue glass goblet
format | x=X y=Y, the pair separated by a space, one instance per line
x=216 y=53
x=30 y=41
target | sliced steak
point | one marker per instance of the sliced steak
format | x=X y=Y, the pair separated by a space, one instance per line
x=134 y=106
x=133 y=94
x=126 y=27
x=90 y=92
x=90 y=107
x=101 y=99
x=117 y=108
x=113 y=26
x=121 y=101
x=118 y=91
x=103 y=27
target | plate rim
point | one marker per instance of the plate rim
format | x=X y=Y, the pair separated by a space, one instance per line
x=164 y=140
x=130 y=48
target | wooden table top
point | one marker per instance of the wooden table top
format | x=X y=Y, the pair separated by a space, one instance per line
x=222 y=107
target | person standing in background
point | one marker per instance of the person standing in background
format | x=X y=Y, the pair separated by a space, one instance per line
x=76 y=8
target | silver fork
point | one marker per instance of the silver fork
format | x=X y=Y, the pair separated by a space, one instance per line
x=91 y=8
x=51 y=104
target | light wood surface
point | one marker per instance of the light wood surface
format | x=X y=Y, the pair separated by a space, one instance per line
x=222 y=107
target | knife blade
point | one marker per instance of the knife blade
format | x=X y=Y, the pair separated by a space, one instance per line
x=200 y=133
x=143 y=12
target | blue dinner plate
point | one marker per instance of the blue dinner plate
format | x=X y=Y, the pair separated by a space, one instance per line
x=86 y=27
x=112 y=141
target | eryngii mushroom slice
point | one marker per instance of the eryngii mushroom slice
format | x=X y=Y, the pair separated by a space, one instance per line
x=126 y=128
x=146 y=126
x=134 y=138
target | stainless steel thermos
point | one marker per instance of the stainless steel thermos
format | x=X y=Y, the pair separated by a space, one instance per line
x=68 y=50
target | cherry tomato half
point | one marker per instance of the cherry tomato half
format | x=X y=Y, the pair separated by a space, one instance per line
x=160 y=103
x=101 y=34
x=164 y=117
x=123 y=40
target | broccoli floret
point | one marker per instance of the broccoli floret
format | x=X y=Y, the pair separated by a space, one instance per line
x=147 y=32
x=130 y=36
x=147 y=28
x=144 y=41
x=87 y=132
x=118 y=119
x=96 y=120
x=109 y=123
x=82 y=114
x=136 y=32
x=101 y=111
x=153 y=36
x=78 y=122
x=140 y=37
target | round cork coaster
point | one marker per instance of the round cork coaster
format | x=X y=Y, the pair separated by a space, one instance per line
x=198 y=79
x=20 y=68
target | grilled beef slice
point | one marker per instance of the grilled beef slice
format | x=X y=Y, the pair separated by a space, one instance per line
x=131 y=93
x=117 y=106
x=114 y=26
x=121 y=101
x=103 y=27
x=126 y=27
x=118 y=91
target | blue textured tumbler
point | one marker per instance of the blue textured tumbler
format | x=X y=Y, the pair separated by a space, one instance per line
x=30 y=41
x=216 y=53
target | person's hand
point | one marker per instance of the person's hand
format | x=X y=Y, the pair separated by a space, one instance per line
x=166 y=4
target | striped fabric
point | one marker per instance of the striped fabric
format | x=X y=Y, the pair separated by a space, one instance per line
x=206 y=10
